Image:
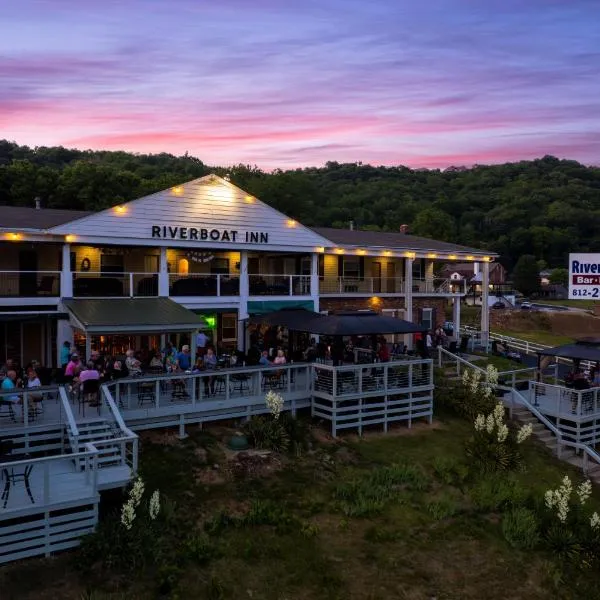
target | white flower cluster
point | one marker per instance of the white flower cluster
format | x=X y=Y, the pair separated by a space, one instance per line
x=524 y=433
x=561 y=497
x=274 y=402
x=495 y=421
x=128 y=512
x=154 y=507
x=472 y=381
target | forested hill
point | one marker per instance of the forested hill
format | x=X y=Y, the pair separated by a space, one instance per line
x=547 y=207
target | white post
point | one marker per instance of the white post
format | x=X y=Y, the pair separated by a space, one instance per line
x=456 y=318
x=429 y=279
x=193 y=348
x=408 y=307
x=64 y=333
x=163 y=274
x=66 y=277
x=314 y=281
x=88 y=346
x=243 y=306
x=485 y=305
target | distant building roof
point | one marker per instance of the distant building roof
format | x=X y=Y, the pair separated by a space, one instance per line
x=25 y=217
x=389 y=239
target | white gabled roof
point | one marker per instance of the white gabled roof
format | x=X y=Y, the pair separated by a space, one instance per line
x=208 y=203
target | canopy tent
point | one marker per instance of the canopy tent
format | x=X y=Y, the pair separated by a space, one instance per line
x=295 y=319
x=584 y=349
x=131 y=315
x=341 y=323
x=362 y=323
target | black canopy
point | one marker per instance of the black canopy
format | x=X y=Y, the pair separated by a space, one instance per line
x=362 y=323
x=586 y=349
x=341 y=323
x=296 y=319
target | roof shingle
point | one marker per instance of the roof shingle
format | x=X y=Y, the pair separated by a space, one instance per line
x=25 y=217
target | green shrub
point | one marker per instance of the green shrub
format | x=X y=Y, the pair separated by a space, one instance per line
x=442 y=509
x=449 y=470
x=520 y=528
x=496 y=493
x=267 y=433
x=368 y=495
x=199 y=549
x=488 y=455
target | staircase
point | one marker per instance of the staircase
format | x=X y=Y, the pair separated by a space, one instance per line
x=99 y=432
x=549 y=439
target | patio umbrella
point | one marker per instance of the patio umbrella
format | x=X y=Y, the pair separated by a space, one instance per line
x=361 y=323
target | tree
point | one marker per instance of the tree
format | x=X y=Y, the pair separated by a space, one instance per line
x=434 y=223
x=526 y=276
x=559 y=277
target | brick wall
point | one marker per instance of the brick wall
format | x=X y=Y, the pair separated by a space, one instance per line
x=378 y=304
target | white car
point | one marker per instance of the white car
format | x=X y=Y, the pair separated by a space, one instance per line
x=526 y=306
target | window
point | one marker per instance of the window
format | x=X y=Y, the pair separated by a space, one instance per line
x=112 y=263
x=219 y=266
x=229 y=327
x=427 y=317
x=183 y=266
x=351 y=268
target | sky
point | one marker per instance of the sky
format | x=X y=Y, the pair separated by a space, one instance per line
x=284 y=84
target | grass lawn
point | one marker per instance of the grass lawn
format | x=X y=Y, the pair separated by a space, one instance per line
x=583 y=304
x=540 y=337
x=360 y=519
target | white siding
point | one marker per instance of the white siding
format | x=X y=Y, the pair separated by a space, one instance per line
x=209 y=203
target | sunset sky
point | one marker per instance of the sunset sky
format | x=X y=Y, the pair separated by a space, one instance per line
x=276 y=83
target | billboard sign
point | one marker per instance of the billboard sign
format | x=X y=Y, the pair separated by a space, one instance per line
x=584 y=276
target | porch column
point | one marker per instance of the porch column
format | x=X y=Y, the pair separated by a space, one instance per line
x=163 y=274
x=429 y=278
x=408 y=305
x=243 y=306
x=193 y=348
x=88 y=346
x=66 y=277
x=64 y=333
x=456 y=318
x=485 y=304
x=314 y=281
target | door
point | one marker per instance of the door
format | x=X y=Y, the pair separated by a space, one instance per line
x=151 y=263
x=391 y=278
x=376 y=274
x=28 y=265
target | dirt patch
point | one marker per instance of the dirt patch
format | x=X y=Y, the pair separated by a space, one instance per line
x=396 y=431
x=160 y=437
x=252 y=464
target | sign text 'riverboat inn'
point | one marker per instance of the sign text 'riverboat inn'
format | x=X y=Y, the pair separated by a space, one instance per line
x=214 y=235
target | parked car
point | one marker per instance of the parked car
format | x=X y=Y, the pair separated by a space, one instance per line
x=498 y=305
x=526 y=306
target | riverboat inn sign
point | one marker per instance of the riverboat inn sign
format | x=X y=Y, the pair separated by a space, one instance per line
x=201 y=234
x=584 y=276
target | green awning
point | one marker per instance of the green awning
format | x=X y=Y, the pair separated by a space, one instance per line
x=131 y=315
x=261 y=307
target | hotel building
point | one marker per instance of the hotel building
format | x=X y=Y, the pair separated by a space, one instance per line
x=127 y=275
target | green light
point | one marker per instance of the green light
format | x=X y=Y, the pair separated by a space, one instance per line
x=211 y=321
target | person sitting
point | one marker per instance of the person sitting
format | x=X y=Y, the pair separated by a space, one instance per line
x=210 y=364
x=90 y=373
x=280 y=358
x=134 y=366
x=156 y=361
x=9 y=383
x=264 y=361
x=73 y=366
x=184 y=359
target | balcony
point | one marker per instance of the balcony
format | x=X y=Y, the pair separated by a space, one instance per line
x=204 y=284
x=366 y=286
x=438 y=286
x=17 y=285
x=91 y=284
x=279 y=285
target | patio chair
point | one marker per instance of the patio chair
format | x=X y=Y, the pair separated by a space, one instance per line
x=146 y=392
x=89 y=393
x=241 y=382
x=10 y=478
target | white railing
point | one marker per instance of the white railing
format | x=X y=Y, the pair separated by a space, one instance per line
x=72 y=429
x=589 y=454
x=438 y=286
x=362 y=285
x=567 y=402
x=128 y=441
x=204 y=284
x=279 y=285
x=93 y=284
x=22 y=407
x=86 y=458
x=29 y=284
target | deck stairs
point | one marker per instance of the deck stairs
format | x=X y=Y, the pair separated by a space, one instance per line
x=583 y=458
x=100 y=432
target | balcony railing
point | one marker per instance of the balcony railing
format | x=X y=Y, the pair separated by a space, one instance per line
x=91 y=284
x=29 y=284
x=204 y=284
x=279 y=285
x=365 y=285
x=438 y=286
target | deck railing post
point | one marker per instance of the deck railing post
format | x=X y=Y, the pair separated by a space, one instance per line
x=579 y=404
x=227 y=387
x=131 y=285
x=193 y=381
x=47 y=483
x=157 y=394
x=291 y=285
x=134 y=458
x=218 y=284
